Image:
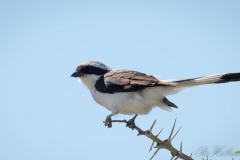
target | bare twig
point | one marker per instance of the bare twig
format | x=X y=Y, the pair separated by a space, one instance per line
x=166 y=144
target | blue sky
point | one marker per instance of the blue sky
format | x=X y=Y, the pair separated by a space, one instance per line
x=45 y=114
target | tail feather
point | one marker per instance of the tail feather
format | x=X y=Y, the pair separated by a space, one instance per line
x=219 y=78
x=229 y=77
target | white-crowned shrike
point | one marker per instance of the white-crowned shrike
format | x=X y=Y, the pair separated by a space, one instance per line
x=131 y=92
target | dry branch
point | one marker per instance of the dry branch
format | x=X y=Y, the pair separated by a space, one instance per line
x=160 y=144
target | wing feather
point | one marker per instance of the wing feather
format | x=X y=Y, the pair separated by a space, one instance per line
x=117 y=80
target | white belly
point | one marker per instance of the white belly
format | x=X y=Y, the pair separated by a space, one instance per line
x=128 y=102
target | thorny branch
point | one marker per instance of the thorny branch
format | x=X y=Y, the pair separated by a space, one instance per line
x=160 y=144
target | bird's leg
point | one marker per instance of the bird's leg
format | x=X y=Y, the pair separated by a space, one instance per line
x=108 y=121
x=131 y=122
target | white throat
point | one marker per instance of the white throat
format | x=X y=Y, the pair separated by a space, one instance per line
x=89 y=81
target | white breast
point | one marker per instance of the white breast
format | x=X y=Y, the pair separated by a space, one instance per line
x=140 y=102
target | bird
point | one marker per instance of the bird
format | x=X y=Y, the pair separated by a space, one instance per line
x=131 y=92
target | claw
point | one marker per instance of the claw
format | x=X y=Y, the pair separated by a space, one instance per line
x=131 y=122
x=108 y=121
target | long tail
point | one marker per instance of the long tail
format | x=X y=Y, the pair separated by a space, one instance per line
x=218 y=78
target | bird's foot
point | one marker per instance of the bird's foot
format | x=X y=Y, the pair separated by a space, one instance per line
x=131 y=122
x=108 y=121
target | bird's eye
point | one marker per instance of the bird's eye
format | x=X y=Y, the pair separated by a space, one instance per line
x=87 y=70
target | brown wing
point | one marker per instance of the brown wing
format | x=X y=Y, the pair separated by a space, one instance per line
x=127 y=81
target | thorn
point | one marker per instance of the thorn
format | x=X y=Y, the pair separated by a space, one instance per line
x=191 y=154
x=172 y=158
x=151 y=147
x=181 y=148
x=170 y=136
x=152 y=125
x=159 y=132
x=153 y=141
x=154 y=153
x=175 y=134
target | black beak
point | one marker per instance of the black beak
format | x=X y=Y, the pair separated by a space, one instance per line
x=75 y=74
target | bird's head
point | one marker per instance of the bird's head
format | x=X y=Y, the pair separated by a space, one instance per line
x=89 y=72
